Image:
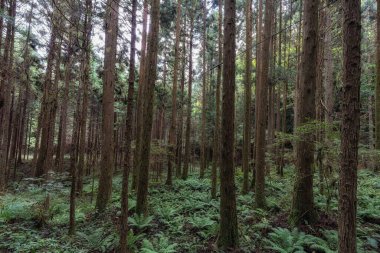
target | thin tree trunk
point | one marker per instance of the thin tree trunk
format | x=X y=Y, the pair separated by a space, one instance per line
x=377 y=109
x=204 y=83
x=181 y=109
x=140 y=92
x=85 y=80
x=247 y=97
x=216 y=148
x=173 y=122
x=261 y=110
x=185 y=171
x=128 y=135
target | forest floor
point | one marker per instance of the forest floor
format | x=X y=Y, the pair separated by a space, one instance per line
x=34 y=218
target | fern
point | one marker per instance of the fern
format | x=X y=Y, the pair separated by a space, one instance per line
x=160 y=245
x=140 y=221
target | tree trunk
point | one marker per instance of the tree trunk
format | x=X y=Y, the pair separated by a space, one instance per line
x=140 y=92
x=151 y=72
x=228 y=237
x=303 y=202
x=204 y=83
x=107 y=162
x=261 y=110
x=5 y=91
x=172 y=131
x=247 y=97
x=216 y=148
x=49 y=103
x=377 y=116
x=350 y=126
x=181 y=111
x=85 y=80
x=185 y=171
x=128 y=135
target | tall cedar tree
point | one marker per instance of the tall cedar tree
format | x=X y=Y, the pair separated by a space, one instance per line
x=228 y=237
x=261 y=109
x=107 y=160
x=140 y=92
x=303 y=203
x=377 y=120
x=350 y=126
x=204 y=83
x=179 y=144
x=216 y=148
x=173 y=123
x=186 y=161
x=5 y=93
x=149 y=83
x=247 y=96
x=85 y=80
x=128 y=135
x=49 y=101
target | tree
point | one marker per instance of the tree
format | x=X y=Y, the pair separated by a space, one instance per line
x=5 y=92
x=350 y=126
x=377 y=120
x=186 y=161
x=303 y=203
x=216 y=148
x=228 y=237
x=49 y=100
x=247 y=96
x=107 y=162
x=261 y=109
x=85 y=80
x=204 y=84
x=150 y=74
x=128 y=135
x=172 y=132
x=140 y=91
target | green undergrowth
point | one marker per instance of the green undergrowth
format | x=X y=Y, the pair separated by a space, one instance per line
x=182 y=218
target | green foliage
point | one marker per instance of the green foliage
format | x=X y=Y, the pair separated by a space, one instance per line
x=160 y=244
x=99 y=239
x=140 y=221
x=285 y=241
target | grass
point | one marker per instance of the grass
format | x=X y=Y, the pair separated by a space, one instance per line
x=182 y=218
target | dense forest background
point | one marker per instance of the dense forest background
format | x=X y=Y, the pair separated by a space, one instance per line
x=189 y=126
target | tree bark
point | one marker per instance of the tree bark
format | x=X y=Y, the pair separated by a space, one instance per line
x=303 y=202
x=49 y=102
x=173 y=122
x=350 y=126
x=261 y=110
x=151 y=72
x=247 y=96
x=128 y=135
x=185 y=170
x=107 y=162
x=216 y=148
x=377 y=116
x=85 y=80
x=139 y=108
x=204 y=83
x=228 y=237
